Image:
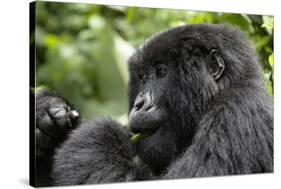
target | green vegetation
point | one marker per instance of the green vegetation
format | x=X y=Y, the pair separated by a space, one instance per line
x=81 y=49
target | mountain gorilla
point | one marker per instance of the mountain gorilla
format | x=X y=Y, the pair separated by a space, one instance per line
x=197 y=105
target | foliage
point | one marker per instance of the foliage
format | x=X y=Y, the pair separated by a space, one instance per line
x=81 y=49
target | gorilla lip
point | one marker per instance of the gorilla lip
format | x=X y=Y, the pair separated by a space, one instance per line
x=139 y=136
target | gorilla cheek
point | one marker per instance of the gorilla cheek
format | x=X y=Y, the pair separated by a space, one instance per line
x=158 y=150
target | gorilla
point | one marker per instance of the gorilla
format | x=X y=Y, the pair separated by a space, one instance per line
x=197 y=107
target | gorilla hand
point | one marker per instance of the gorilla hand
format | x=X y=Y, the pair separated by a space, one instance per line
x=55 y=118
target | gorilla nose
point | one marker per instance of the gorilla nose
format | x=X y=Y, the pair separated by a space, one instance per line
x=143 y=102
x=145 y=116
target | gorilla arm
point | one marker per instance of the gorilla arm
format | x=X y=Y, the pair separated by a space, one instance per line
x=98 y=152
x=227 y=143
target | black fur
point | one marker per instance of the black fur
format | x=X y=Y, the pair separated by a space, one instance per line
x=202 y=125
x=98 y=152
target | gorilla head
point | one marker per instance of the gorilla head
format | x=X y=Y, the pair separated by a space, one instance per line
x=173 y=78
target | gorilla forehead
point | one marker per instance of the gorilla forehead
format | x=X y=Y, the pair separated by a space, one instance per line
x=168 y=42
x=211 y=36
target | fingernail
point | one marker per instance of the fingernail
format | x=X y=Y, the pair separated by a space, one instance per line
x=73 y=114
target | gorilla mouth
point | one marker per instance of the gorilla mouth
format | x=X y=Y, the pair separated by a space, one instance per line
x=141 y=135
x=143 y=127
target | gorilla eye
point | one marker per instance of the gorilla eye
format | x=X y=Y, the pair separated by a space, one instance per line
x=161 y=71
x=142 y=77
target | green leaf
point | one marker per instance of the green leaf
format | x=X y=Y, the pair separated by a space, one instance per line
x=109 y=70
x=51 y=41
x=139 y=136
x=39 y=88
x=131 y=14
x=123 y=50
x=271 y=60
x=236 y=19
x=268 y=23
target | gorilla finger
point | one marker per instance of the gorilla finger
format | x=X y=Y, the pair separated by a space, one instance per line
x=64 y=123
x=45 y=123
x=58 y=112
x=60 y=117
x=74 y=116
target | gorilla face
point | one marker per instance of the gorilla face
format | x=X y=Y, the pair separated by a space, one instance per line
x=172 y=79
x=149 y=112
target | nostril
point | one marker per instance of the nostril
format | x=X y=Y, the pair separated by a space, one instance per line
x=139 y=105
x=148 y=107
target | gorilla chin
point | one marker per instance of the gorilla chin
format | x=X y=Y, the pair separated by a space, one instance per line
x=158 y=150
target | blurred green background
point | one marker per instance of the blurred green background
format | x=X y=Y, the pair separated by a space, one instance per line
x=81 y=49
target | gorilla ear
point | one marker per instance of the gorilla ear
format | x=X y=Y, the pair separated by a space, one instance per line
x=217 y=65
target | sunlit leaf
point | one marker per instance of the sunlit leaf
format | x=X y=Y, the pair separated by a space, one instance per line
x=40 y=88
x=96 y=22
x=123 y=50
x=271 y=60
x=268 y=23
x=51 y=41
x=131 y=14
